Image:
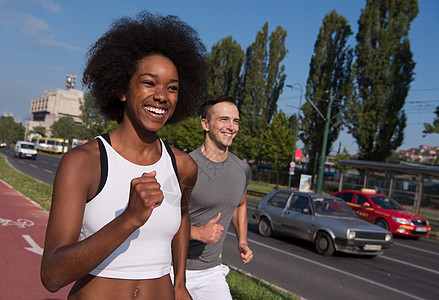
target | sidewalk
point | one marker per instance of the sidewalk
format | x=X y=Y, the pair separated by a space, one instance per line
x=23 y=225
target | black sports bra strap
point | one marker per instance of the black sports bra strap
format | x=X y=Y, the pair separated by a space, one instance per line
x=174 y=163
x=106 y=137
x=104 y=166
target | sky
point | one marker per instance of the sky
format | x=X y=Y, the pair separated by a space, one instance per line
x=42 y=41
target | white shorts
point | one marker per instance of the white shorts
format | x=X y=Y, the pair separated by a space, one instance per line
x=208 y=284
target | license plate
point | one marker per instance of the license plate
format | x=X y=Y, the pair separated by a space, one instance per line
x=372 y=247
x=421 y=229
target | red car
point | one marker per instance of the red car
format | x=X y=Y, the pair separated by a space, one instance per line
x=385 y=212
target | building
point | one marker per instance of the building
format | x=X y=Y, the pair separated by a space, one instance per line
x=55 y=104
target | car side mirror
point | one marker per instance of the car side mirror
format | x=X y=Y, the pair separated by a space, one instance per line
x=366 y=204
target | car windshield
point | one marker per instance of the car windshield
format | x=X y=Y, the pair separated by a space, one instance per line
x=27 y=146
x=386 y=203
x=332 y=207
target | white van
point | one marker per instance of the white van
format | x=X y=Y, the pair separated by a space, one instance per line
x=25 y=149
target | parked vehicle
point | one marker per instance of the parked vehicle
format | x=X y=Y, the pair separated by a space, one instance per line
x=326 y=221
x=385 y=212
x=25 y=149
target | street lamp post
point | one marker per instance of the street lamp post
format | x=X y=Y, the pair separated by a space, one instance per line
x=297 y=127
x=325 y=141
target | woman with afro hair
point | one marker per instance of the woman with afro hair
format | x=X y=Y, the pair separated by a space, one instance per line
x=119 y=221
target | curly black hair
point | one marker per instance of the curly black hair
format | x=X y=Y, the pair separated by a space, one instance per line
x=112 y=61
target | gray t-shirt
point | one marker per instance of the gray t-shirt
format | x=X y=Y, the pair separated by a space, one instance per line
x=219 y=188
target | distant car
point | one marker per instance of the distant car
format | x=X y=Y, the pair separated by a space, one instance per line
x=385 y=212
x=25 y=149
x=323 y=220
x=2 y=144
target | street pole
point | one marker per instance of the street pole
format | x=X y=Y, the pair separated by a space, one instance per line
x=293 y=159
x=325 y=141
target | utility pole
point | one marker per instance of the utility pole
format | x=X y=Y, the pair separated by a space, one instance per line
x=293 y=159
x=325 y=141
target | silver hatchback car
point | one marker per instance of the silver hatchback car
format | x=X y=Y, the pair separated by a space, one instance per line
x=326 y=221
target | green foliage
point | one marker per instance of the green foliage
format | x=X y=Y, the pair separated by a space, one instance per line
x=11 y=131
x=41 y=130
x=94 y=122
x=384 y=70
x=187 y=135
x=341 y=156
x=224 y=66
x=277 y=143
x=111 y=126
x=330 y=67
x=432 y=128
x=263 y=79
x=65 y=127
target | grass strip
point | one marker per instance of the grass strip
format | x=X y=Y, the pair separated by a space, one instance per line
x=39 y=192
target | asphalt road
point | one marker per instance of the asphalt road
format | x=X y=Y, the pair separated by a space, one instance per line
x=409 y=270
x=43 y=168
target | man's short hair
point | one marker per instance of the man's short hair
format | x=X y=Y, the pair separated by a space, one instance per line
x=207 y=104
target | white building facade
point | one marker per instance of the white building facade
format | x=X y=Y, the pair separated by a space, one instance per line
x=53 y=105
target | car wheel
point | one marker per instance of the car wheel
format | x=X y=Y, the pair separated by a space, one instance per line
x=382 y=223
x=264 y=227
x=323 y=244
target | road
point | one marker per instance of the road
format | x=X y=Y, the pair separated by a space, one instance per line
x=410 y=270
x=42 y=169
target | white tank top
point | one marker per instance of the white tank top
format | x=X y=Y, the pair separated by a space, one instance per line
x=146 y=253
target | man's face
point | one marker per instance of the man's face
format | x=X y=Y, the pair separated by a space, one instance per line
x=221 y=124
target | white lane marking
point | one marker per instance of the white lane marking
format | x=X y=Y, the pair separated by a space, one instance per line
x=417 y=249
x=48 y=171
x=334 y=269
x=409 y=264
x=35 y=248
x=33 y=166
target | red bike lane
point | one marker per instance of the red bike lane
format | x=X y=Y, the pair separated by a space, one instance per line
x=22 y=229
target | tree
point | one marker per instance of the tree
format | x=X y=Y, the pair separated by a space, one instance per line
x=341 y=156
x=277 y=144
x=263 y=79
x=65 y=127
x=429 y=128
x=187 y=135
x=10 y=131
x=224 y=67
x=383 y=70
x=93 y=121
x=41 y=130
x=330 y=68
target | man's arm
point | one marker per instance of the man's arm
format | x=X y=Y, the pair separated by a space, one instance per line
x=240 y=224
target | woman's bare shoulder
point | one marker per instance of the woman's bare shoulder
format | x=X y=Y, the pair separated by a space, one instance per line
x=80 y=162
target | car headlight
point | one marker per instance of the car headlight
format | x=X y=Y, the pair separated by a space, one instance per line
x=351 y=234
x=388 y=237
x=401 y=221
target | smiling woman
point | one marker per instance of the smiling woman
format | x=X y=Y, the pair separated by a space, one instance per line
x=122 y=195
